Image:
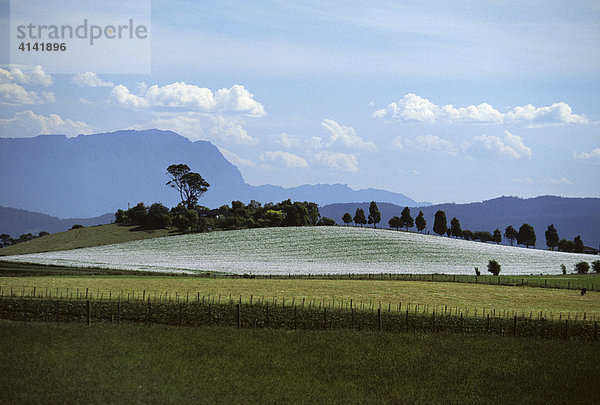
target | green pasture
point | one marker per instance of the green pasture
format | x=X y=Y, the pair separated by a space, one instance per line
x=72 y=363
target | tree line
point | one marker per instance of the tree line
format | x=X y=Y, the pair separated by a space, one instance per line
x=524 y=236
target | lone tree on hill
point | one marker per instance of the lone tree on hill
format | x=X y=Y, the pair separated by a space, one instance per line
x=359 y=217
x=347 y=218
x=420 y=222
x=578 y=248
x=551 y=237
x=395 y=222
x=439 y=224
x=493 y=267
x=511 y=234
x=374 y=214
x=526 y=235
x=406 y=219
x=455 y=227
x=190 y=185
x=582 y=267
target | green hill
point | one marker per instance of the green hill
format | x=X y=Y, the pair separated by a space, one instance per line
x=84 y=237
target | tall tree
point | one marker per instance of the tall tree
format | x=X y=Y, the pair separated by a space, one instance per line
x=551 y=237
x=374 y=214
x=406 y=220
x=497 y=236
x=190 y=185
x=359 y=217
x=420 y=221
x=455 y=227
x=439 y=225
x=526 y=235
x=347 y=218
x=511 y=234
x=395 y=222
x=578 y=248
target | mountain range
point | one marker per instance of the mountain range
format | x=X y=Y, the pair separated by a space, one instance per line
x=91 y=175
x=570 y=216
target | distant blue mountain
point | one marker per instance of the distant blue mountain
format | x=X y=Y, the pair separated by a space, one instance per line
x=570 y=216
x=91 y=175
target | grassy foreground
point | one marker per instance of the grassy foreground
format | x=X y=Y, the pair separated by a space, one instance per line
x=160 y=364
x=465 y=297
x=84 y=237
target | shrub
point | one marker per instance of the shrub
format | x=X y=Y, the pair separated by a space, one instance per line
x=582 y=267
x=563 y=268
x=77 y=226
x=477 y=272
x=493 y=267
x=596 y=266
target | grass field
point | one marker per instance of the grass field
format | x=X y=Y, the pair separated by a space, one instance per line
x=466 y=297
x=310 y=250
x=159 y=364
x=84 y=237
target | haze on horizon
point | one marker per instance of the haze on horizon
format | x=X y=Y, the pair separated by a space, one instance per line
x=441 y=102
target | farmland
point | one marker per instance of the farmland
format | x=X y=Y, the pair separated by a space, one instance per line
x=310 y=250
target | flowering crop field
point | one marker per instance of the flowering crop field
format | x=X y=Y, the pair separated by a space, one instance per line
x=310 y=250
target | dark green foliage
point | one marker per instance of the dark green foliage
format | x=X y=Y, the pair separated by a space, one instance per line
x=563 y=268
x=483 y=236
x=596 y=266
x=190 y=185
x=493 y=267
x=511 y=234
x=347 y=218
x=43 y=233
x=395 y=222
x=359 y=217
x=158 y=216
x=565 y=245
x=75 y=226
x=420 y=222
x=497 y=236
x=578 y=244
x=582 y=267
x=374 y=214
x=439 y=225
x=324 y=221
x=407 y=220
x=455 y=228
x=467 y=234
x=526 y=235
x=6 y=240
x=551 y=237
x=137 y=215
x=296 y=214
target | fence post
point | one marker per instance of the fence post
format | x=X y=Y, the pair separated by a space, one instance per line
x=89 y=312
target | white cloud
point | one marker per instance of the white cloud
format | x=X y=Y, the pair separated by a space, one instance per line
x=286 y=159
x=511 y=147
x=15 y=94
x=415 y=108
x=546 y=181
x=84 y=101
x=398 y=143
x=288 y=141
x=236 y=159
x=434 y=143
x=196 y=126
x=27 y=124
x=90 y=79
x=24 y=75
x=346 y=136
x=593 y=156
x=192 y=98
x=345 y=162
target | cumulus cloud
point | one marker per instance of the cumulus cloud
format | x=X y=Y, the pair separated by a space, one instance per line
x=197 y=126
x=415 y=108
x=428 y=143
x=26 y=124
x=286 y=159
x=345 y=162
x=236 y=159
x=511 y=147
x=13 y=92
x=342 y=135
x=593 y=156
x=24 y=75
x=190 y=97
x=90 y=79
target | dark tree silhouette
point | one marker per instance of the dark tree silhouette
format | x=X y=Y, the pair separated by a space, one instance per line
x=578 y=248
x=406 y=219
x=511 y=234
x=551 y=237
x=493 y=267
x=395 y=222
x=497 y=236
x=190 y=185
x=455 y=227
x=347 y=218
x=526 y=235
x=359 y=217
x=374 y=214
x=420 y=221
x=439 y=225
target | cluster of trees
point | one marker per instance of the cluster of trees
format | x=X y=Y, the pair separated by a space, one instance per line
x=6 y=240
x=188 y=216
x=564 y=245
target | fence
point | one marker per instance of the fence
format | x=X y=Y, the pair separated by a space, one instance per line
x=272 y=315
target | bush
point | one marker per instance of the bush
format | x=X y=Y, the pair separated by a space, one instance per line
x=77 y=226
x=563 y=268
x=493 y=267
x=324 y=221
x=596 y=266
x=582 y=267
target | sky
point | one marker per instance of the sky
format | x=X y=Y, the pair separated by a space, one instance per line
x=441 y=101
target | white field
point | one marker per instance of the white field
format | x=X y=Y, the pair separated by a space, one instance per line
x=310 y=250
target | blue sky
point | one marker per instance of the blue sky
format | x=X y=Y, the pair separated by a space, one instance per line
x=441 y=101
